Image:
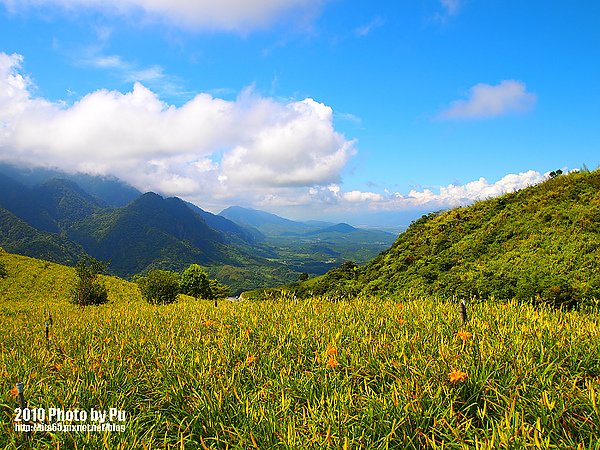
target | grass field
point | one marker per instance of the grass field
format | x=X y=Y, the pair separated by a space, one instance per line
x=366 y=373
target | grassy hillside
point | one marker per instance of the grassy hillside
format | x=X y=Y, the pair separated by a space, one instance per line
x=365 y=373
x=540 y=243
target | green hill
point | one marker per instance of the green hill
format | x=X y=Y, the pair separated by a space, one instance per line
x=542 y=242
x=32 y=283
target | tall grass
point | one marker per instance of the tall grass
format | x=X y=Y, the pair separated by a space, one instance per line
x=365 y=373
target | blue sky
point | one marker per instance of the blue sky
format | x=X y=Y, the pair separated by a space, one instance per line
x=338 y=109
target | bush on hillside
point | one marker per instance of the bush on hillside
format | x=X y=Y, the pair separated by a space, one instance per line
x=159 y=287
x=3 y=272
x=88 y=290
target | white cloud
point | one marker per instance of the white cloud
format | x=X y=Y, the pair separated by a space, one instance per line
x=451 y=6
x=108 y=62
x=449 y=9
x=458 y=195
x=208 y=148
x=199 y=14
x=485 y=100
x=358 y=197
x=366 y=29
x=129 y=72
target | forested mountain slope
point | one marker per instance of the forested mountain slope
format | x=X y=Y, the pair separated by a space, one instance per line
x=542 y=242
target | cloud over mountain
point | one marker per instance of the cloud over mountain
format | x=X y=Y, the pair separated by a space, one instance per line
x=207 y=146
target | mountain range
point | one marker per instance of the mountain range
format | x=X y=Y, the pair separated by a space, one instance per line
x=62 y=217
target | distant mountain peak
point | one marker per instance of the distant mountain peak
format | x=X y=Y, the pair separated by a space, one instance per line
x=340 y=228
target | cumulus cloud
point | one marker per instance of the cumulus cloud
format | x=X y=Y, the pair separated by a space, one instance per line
x=359 y=196
x=198 y=14
x=459 y=195
x=485 y=101
x=208 y=147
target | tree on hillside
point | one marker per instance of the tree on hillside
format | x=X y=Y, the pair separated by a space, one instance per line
x=555 y=173
x=159 y=287
x=218 y=291
x=3 y=272
x=194 y=281
x=88 y=290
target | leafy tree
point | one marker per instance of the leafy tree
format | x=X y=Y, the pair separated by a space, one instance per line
x=3 y=272
x=218 y=290
x=159 y=287
x=88 y=290
x=303 y=276
x=194 y=281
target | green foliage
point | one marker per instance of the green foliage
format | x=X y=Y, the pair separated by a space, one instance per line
x=194 y=281
x=555 y=173
x=218 y=291
x=88 y=289
x=303 y=277
x=3 y=272
x=159 y=286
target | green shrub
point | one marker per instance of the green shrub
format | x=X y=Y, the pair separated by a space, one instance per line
x=88 y=290
x=159 y=287
x=194 y=281
x=3 y=272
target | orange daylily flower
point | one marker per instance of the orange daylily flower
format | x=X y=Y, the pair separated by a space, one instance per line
x=457 y=376
x=209 y=323
x=332 y=362
x=14 y=392
x=331 y=350
x=464 y=335
x=251 y=358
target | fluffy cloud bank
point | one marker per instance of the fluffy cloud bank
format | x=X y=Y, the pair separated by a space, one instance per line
x=458 y=195
x=206 y=147
x=203 y=14
x=441 y=198
x=485 y=101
